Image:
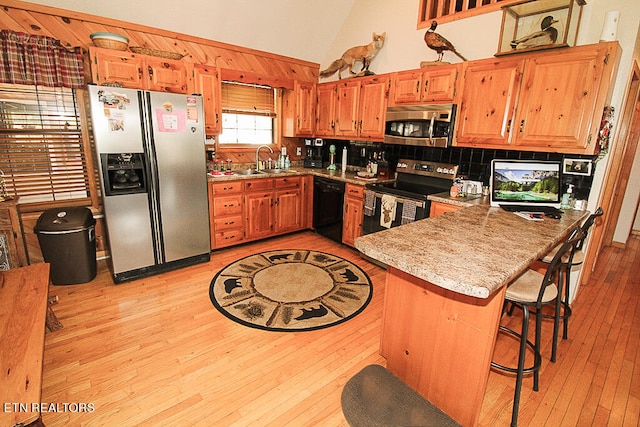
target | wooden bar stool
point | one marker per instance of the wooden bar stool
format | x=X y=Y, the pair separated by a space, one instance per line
x=374 y=397
x=568 y=262
x=533 y=290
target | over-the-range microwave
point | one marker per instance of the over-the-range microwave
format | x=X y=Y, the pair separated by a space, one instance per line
x=424 y=125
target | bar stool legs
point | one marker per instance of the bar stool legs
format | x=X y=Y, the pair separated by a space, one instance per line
x=532 y=291
x=521 y=370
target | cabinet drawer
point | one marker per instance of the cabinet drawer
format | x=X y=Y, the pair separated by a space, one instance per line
x=229 y=205
x=352 y=190
x=228 y=187
x=288 y=182
x=227 y=223
x=228 y=237
x=259 y=184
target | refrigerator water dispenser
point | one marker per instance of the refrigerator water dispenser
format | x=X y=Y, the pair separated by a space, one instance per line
x=124 y=173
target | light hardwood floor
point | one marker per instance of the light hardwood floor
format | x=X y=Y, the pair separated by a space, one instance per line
x=156 y=352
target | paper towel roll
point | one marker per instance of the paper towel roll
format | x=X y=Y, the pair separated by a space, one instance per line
x=610 y=27
x=344 y=159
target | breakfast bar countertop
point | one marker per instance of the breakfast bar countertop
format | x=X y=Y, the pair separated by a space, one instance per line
x=473 y=251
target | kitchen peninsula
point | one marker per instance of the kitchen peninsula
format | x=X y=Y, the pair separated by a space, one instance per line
x=446 y=281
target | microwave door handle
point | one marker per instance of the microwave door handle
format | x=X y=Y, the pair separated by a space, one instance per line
x=431 y=125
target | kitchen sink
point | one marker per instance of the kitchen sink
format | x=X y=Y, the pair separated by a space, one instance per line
x=247 y=172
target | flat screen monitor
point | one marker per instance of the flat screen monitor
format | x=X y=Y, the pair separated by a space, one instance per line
x=526 y=182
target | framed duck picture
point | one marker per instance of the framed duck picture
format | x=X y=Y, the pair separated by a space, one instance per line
x=539 y=24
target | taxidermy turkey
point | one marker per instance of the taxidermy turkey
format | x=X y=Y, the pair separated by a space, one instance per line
x=548 y=35
x=438 y=43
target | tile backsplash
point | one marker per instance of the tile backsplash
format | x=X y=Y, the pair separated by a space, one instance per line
x=474 y=163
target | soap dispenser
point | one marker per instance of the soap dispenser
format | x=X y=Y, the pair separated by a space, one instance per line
x=567 y=198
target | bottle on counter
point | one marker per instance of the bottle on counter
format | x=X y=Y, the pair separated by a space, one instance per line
x=453 y=191
x=567 y=198
x=287 y=162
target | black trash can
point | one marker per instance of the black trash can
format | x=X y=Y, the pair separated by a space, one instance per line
x=68 y=242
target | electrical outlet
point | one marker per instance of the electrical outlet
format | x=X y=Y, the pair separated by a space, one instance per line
x=299 y=151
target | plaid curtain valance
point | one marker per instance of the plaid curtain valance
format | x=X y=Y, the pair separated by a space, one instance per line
x=39 y=60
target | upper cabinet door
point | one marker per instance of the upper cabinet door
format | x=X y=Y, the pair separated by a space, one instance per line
x=407 y=87
x=112 y=66
x=326 y=109
x=305 y=108
x=558 y=98
x=167 y=75
x=374 y=94
x=439 y=83
x=348 y=93
x=207 y=83
x=488 y=100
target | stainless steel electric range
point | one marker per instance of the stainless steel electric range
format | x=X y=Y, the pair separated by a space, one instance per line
x=405 y=200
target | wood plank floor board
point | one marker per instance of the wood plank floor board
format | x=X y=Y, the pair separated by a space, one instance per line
x=156 y=352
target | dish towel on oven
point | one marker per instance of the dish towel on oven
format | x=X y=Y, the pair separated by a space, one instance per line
x=387 y=210
x=408 y=211
x=369 y=202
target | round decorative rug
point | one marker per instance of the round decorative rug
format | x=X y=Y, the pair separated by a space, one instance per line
x=291 y=290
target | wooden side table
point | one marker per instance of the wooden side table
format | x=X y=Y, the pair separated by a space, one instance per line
x=23 y=311
x=12 y=249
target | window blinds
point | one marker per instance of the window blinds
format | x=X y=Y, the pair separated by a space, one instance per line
x=241 y=98
x=41 y=148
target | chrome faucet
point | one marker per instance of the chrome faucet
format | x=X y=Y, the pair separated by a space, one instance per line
x=258 y=155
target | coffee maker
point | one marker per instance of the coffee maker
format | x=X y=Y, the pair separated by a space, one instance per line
x=314 y=149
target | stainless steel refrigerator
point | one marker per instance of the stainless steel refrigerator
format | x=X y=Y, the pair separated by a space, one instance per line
x=153 y=173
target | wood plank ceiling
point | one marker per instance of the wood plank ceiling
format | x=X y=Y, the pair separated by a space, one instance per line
x=73 y=29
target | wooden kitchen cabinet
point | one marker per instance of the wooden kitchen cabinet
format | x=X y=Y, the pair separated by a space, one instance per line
x=167 y=75
x=347 y=96
x=259 y=208
x=12 y=248
x=288 y=205
x=374 y=95
x=558 y=106
x=113 y=66
x=252 y=209
x=207 y=83
x=487 y=102
x=326 y=96
x=550 y=102
x=226 y=208
x=299 y=110
x=361 y=106
x=432 y=84
x=273 y=206
x=353 y=213
x=438 y=208
x=137 y=71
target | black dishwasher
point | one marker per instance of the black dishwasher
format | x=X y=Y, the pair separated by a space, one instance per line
x=328 y=199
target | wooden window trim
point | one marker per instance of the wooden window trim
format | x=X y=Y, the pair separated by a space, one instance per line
x=276 y=113
x=445 y=10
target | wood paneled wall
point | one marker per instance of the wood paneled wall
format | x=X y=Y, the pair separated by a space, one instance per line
x=73 y=29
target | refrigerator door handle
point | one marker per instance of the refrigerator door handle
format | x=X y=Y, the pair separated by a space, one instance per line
x=152 y=171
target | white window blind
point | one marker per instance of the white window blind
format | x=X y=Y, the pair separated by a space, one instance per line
x=42 y=153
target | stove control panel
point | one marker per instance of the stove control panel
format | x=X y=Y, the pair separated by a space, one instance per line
x=421 y=167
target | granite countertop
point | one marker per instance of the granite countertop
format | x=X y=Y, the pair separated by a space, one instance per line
x=463 y=202
x=473 y=251
x=349 y=176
